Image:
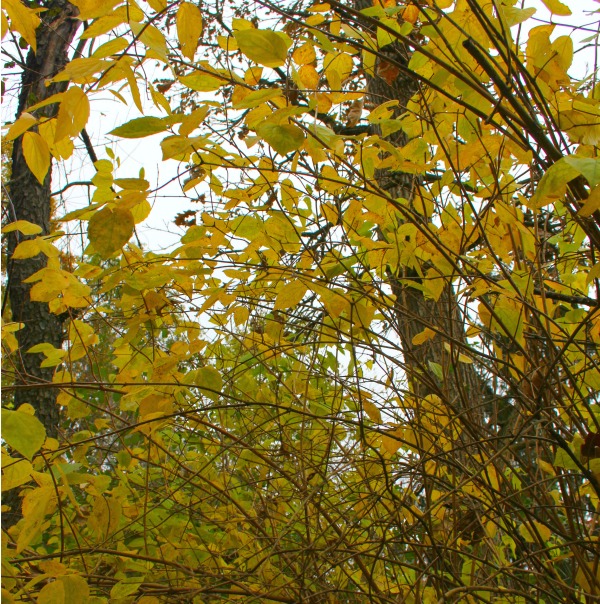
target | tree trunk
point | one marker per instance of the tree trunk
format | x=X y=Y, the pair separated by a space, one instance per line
x=29 y=200
x=462 y=389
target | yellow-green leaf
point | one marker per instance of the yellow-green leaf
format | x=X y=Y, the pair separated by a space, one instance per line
x=110 y=229
x=208 y=380
x=553 y=184
x=37 y=155
x=140 y=127
x=68 y=589
x=189 y=28
x=202 y=82
x=268 y=48
x=23 y=432
x=15 y=473
x=284 y=138
x=112 y=47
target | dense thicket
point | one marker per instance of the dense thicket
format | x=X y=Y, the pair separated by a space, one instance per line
x=368 y=369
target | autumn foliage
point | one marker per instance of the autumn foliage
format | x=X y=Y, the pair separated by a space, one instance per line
x=366 y=368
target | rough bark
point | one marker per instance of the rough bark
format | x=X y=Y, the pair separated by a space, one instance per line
x=462 y=387
x=29 y=200
x=463 y=391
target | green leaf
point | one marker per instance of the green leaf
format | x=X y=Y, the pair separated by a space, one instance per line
x=437 y=370
x=110 y=229
x=588 y=167
x=140 y=127
x=23 y=432
x=265 y=47
x=284 y=138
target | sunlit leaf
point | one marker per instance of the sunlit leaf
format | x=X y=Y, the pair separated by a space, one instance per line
x=37 y=155
x=189 y=28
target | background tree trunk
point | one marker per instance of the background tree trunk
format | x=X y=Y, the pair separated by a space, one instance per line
x=29 y=200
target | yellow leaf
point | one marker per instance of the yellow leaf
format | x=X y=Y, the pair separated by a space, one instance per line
x=23 y=226
x=557 y=8
x=227 y=43
x=3 y=25
x=25 y=121
x=290 y=295
x=392 y=440
x=37 y=155
x=514 y=16
x=93 y=9
x=73 y=113
x=591 y=204
x=546 y=467
x=110 y=229
x=309 y=77
x=268 y=48
x=305 y=54
x=372 y=411
x=189 y=28
x=252 y=75
x=63 y=149
x=81 y=70
x=424 y=336
x=110 y=48
x=158 y=5
x=23 y=20
x=30 y=248
x=589 y=578
x=337 y=69
x=152 y=38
